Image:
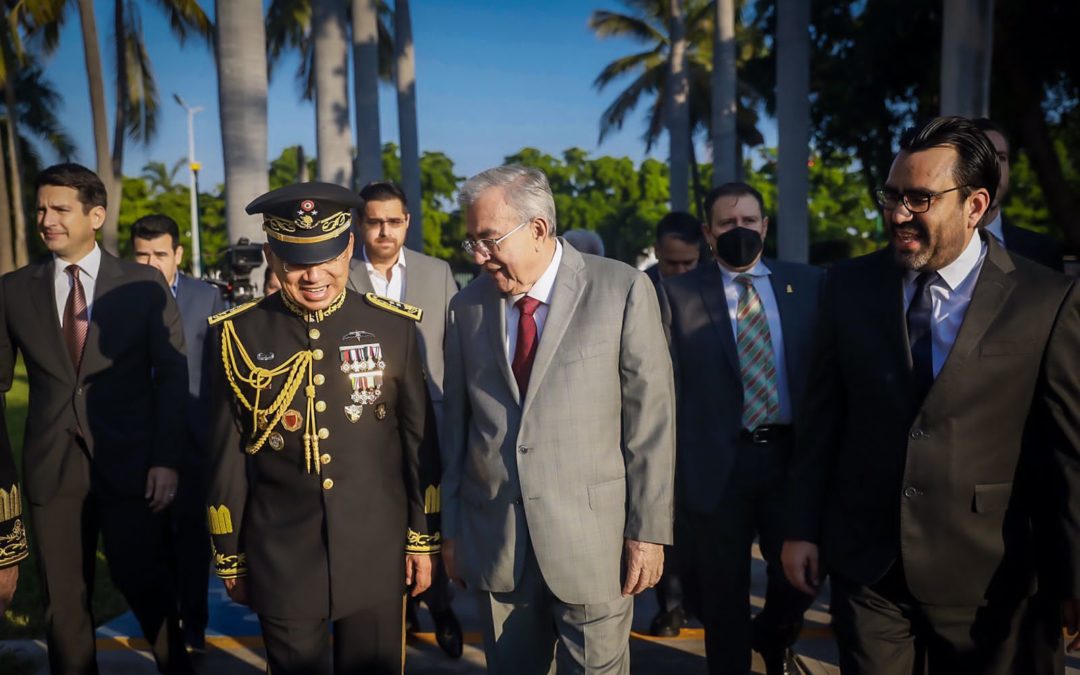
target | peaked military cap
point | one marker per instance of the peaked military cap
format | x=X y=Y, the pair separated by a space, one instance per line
x=307 y=223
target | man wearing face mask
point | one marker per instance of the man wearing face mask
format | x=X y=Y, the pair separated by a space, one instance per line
x=740 y=337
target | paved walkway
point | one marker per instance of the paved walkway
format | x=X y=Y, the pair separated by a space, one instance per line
x=235 y=648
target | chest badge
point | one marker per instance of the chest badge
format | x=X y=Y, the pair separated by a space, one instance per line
x=292 y=420
x=362 y=362
x=276 y=441
x=380 y=412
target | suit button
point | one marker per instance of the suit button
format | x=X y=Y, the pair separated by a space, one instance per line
x=324 y=434
x=911 y=491
x=314 y=333
x=317 y=354
x=325 y=459
x=327 y=484
x=919 y=434
x=320 y=406
x=318 y=379
x=523 y=450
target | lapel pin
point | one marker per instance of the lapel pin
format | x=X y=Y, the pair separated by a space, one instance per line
x=790 y=289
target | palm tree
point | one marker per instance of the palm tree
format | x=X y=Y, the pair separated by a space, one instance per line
x=724 y=138
x=332 y=119
x=793 y=124
x=365 y=39
x=242 y=75
x=405 y=78
x=160 y=177
x=677 y=109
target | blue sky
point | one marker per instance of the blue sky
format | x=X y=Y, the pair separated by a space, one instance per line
x=492 y=77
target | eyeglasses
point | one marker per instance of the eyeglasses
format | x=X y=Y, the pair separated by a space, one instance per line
x=379 y=222
x=486 y=247
x=914 y=202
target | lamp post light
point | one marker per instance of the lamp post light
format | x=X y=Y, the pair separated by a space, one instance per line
x=196 y=248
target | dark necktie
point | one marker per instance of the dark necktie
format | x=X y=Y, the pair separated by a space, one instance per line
x=525 y=347
x=76 y=322
x=919 y=317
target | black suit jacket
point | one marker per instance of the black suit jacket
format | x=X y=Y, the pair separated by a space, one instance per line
x=129 y=395
x=708 y=383
x=197 y=301
x=1041 y=248
x=951 y=486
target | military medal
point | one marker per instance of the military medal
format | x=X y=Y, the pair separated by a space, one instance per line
x=380 y=412
x=292 y=420
x=363 y=364
x=276 y=441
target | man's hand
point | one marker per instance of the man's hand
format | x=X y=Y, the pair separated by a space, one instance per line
x=450 y=562
x=644 y=565
x=800 y=559
x=9 y=578
x=237 y=589
x=1071 y=613
x=418 y=569
x=161 y=482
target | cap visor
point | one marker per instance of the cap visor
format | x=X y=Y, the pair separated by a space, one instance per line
x=309 y=254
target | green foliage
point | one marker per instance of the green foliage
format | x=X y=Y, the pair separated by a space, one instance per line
x=1025 y=204
x=285 y=169
x=443 y=227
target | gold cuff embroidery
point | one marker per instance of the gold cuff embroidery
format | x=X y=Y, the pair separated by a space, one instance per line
x=13 y=546
x=423 y=543
x=432 y=499
x=10 y=503
x=220 y=520
x=230 y=566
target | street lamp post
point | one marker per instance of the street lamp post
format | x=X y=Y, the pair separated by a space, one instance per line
x=196 y=248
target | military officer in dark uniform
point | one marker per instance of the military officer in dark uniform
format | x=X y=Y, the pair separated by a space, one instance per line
x=324 y=496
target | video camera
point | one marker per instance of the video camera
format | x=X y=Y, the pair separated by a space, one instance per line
x=232 y=275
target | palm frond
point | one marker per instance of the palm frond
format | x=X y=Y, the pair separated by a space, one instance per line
x=614 y=116
x=626 y=64
x=140 y=87
x=38 y=105
x=186 y=16
x=613 y=24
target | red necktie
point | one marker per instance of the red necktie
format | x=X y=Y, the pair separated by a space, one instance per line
x=525 y=349
x=76 y=323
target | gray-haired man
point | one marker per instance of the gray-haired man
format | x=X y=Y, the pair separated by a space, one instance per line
x=559 y=440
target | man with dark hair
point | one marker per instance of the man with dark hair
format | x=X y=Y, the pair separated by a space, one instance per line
x=104 y=353
x=740 y=332
x=677 y=247
x=426 y=283
x=914 y=482
x=155 y=240
x=1032 y=245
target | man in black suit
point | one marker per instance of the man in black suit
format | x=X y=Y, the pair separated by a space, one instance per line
x=155 y=240
x=677 y=247
x=104 y=353
x=740 y=331
x=1032 y=245
x=913 y=471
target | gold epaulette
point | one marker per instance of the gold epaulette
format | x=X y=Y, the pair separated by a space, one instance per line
x=231 y=312
x=394 y=307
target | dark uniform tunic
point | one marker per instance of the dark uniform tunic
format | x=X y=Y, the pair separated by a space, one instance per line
x=321 y=532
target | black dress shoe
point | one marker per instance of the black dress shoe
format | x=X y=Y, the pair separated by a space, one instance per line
x=780 y=662
x=412 y=624
x=448 y=633
x=668 y=624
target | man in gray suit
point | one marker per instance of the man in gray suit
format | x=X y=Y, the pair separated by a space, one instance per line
x=558 y=444
x=383 y=268
x=740 y=330
x=155 y=240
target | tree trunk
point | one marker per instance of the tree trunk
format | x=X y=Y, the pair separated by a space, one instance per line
x=96 y=81
x=241 y=64
x=967 y=39
x=678 y=110
x=695 y=178
x=301 y=165
x=14 y=168
x=724 y=137
x=405 y=77
x=7 y=259
x=119 y=120
x=333 y=136
x=365 y=39
x=793 y=121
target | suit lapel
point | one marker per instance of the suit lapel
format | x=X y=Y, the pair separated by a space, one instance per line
x=569 y=285
x=495 y=307
x=359 y=280
x=712 y=294
x=43 y=293
x=788 y=307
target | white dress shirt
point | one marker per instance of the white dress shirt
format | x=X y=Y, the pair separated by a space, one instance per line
x=950 y=298
x=760 y=272
x=541 y=290
x=997 y=228
x=395 y=287
x=88 y=273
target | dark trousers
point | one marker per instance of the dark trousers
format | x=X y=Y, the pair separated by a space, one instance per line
x=189 y=543
x=882 y=630
x=717 y=547
x=65 y=532
x=369 y=642
x=438 y=596
x=669 y=590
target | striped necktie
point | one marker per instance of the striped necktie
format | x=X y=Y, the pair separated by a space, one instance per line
x=761 y=402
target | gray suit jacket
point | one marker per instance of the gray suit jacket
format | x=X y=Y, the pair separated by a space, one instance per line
x=429 y=285
x=707 y=377
x=197 y=301
x=586 y=460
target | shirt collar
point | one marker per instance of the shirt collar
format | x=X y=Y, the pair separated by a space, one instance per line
x=960 y=269
x=997 y=228
x=760 y=269
x=545 y=285
x=400 y=258
x=175 y=283
x=89 y=265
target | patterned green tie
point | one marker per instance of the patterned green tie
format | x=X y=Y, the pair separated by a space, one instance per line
x=761 y=402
